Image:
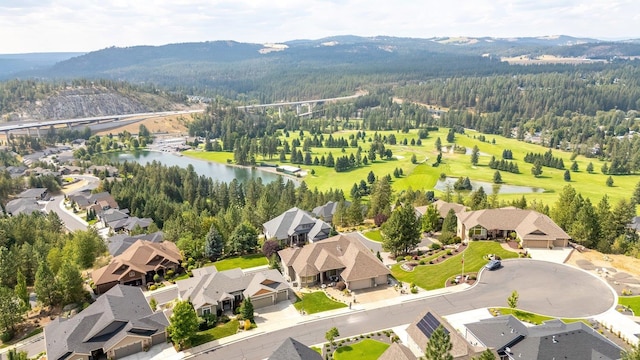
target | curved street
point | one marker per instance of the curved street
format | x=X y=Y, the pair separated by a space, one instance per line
x=544 y=287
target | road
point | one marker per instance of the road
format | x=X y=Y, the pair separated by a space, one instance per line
x=544 y=287
x=288 y=103
x=71 y=222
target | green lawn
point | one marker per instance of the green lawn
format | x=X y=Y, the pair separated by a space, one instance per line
x=424 y=177
x=534 y=318
x=373 y=235
x=366 y=349
x=431 y=277
x=243 y=262
x=316 y=302
x=633 y=302
x=215 y=333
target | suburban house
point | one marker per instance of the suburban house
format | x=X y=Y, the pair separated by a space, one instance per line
x=118 y=243
x=326 y=211
x=98 y=202
x=296 y=227
x=342 y=257
x=34 y=194
x=443 y=208
x=22 y=206
x=534 y=229
x=120 y=221
x=421 y=329
x=120 y=323
x=137 y=265
x=552 y=340
x=212 y=291
x=292 y=349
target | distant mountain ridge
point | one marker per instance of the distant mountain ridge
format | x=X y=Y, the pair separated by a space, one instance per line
x=230 y=68
x=11 y=64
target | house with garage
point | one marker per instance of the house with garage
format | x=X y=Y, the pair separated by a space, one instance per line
x=120 y=323
x=534 y=229
x=212 y=291
x=37 y=194
x=419 y=332
x=25 y=206
x=339 y=258
x=137 y=265
x=443 y=208
x=553 y=339
x=118 y=243
x=296 y=227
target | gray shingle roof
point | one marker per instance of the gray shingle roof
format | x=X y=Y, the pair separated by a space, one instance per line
x=22 y=206
x=120 y=311
x=295 y=221
x=553 y=339
x=121 y=242
x=292 y=349
x=32 y=193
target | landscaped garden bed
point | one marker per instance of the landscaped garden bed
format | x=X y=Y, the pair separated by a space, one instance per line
x=365 y=346
x=435 y=276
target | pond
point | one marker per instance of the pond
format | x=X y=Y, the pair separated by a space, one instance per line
x=489 y=187
x=220 y=172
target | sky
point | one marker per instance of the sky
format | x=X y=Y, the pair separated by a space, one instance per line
x=88 y=25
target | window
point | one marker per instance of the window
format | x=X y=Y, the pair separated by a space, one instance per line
x=206 y=310
x=476 y=230
x=132 y=273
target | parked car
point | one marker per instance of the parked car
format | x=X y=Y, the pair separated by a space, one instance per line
x=493 y=265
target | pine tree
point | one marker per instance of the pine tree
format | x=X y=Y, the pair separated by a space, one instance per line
x=22 y=291
x=247 y=309
x=567 y=176
x=590 y=168
x=609 y=181
x=401 y=232
x=213 y=244
x=46 y=286
x=475 y=153
x=439 y=345
x=497 y=178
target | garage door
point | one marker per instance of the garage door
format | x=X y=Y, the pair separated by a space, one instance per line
x=534 y=244
x=158 y=339
x=128 y=350
x=260 y=303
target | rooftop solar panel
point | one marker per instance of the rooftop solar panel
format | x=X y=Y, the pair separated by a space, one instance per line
x=428 y=324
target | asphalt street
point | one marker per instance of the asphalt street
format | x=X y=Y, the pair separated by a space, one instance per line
x=71 y=222
x=547 y=288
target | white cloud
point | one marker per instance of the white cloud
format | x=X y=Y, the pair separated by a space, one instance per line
x=84 y=25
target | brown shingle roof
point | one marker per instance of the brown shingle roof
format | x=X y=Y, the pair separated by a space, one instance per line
x=338 y=252
x=528 y=224
x=143 y=256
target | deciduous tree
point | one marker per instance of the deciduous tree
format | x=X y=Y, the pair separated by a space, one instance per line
x=70 y=283
x=183 y=324
x=512 y=300
x=332 y=334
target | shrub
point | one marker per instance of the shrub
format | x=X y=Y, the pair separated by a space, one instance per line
x=341 y=285
x=247 y=325
x=170 y=273
x=156 y=278
x=414 y=290
x=190 y=273
x=6 y=336
x=224 y=319
x=153 y=287
x=435 y=246
x=408 y=258
x=421 y=262
x=449 y=252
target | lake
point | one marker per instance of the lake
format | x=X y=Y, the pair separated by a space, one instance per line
x=216 y=171
x=488 y=187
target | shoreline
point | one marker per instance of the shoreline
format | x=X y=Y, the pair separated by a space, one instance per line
x=268 y=169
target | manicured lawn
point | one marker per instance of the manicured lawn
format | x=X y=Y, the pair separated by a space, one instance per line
x=534 y=318
x=243 y=262
x=423 y=176
x=374 y=235
x=215 y=333
x=633 y=302
x=431 y=277
x=316 y=302
x=366 y=349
